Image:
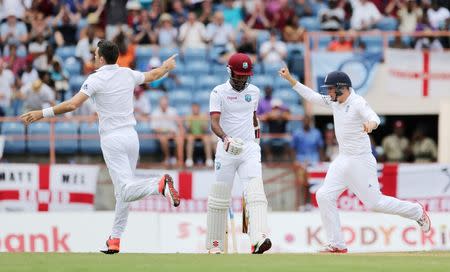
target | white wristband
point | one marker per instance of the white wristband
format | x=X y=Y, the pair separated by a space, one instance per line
x=48 y=112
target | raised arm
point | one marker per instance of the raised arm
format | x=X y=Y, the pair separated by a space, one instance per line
x=167 y=66
x=303 y=90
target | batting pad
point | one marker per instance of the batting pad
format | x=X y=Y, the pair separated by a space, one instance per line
x=218 y=203
x=256 y=210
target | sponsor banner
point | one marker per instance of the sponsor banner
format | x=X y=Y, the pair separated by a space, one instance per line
x=361 y=67
x=171 y=233
x=33 y=187
x=413 y=73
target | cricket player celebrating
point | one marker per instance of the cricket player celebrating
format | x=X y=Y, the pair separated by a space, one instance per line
x=111 y=88
x=355 y=167
x=233 y=119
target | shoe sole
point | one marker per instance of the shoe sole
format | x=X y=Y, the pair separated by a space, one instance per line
x=173 y=192
x=109 y=251
x=266 y=245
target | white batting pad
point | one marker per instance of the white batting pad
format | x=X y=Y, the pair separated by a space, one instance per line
x=218 y=203
x=256 y=210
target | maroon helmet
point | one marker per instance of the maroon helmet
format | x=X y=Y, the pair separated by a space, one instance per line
x=240 y=68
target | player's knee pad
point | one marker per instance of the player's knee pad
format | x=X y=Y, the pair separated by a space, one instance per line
x=218 y=203
x=256 y=201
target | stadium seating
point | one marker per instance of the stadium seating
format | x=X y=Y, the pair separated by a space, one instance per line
x=91 y=144
x=288 y=96
x=10 y=129
x=72 y=66
x=75 y=83
x=387 y=24
x=66 y=146
x=154 y=96
x=187 y=82
x=310 y=23
x=208 y=82
x=194 y=54
x=41 y=145
x=146 y=145
x=202 y=96
x=165 y=53
x=65 y=52
x=262 y=81
x=143 y=55
x=197 y=69
x=179 y=97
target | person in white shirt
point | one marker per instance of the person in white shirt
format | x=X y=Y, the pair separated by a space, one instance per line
x=365 y=15
x=192 y=33
x=37 y=95
x=273 y=50
x=355 y=167
x=233 y=119
x=166 y=126
x=141 y=104
x=437 y=14
x=6 y=87
x=111 y=87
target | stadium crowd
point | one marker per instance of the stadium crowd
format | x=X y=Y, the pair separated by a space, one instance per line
x=46 y=50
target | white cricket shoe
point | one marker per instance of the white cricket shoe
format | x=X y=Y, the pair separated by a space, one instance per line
x=424 y=221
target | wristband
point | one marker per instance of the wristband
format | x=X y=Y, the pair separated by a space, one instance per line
x=48 y=112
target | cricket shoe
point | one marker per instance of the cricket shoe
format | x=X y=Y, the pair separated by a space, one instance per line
x=215 y=250
x=262 y=246
x=167 y=189
x=112 y=246
x=424 y=221
x=332 y=249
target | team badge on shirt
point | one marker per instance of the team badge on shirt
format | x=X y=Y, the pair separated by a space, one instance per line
x=85 y=87
x=248 y=98
x=245 y=65
x=218 y=165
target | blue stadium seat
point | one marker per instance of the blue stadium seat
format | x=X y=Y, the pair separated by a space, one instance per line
x=261 y=81
x=194 y=54
x=184 y=109
x=153 y=97
x=90 y=145
x=41 y=129
x=14 y=146
x=197 y=68
x=295 y=48
x=179 y=97
x=373 y=43
x=324 y=41
x=310 y=23
x=187 y=82
x=165 y=53
x=75 y=83
x=296 y=109
x=146 y=145
x=179 y=69
x=73 y=66
x=65 y=145
x=144 y=52
x=387 y=24
x=202 y=97
x=272 y=69
x=209 y=82
x=262 y=36
x=288 y=96
x=220 y=70
x=281 y=83
x=257 y=68
x=65 y=52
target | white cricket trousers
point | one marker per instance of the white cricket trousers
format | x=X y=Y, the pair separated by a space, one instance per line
x=359 y=175
x=120 y=149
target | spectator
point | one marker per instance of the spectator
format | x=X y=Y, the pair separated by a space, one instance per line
x=155 y=12
x=273 y=51
x=165 y=126
x=292 y=32
x=197 y=129
x=143 y=30
x=279 y=18
x=126 y=51
x=276 y=120
x=396 y=145
x=167 y=34
x=192 y=33
x=206 y=16
x=340 y=44
x=116 y=18
x=265 y=103
x=398 y=43
x=365 y=15
x=437 y=14
x=86 y=46
x=92 y=9
x=257 y=19
x=231 y=13
x=332 y=18
x=302 y=8
x=37 y=95
x=220 y=35
x=393 y=7
x=423 y=148
x=6 y=87
x=142 y=107
x=65 y=25
x=13 y=31
x=247 y=46
x=331 y=145
x=29 y=74
x=40 y=26
x=14 y=62
x=303 y=196
x=307 y=144
x=39 y=49
x=179 y=13
x=409 y=15
x=60 y=78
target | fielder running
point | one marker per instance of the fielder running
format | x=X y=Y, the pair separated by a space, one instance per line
x=233 y=119
x=355 y=168
x=111 y=88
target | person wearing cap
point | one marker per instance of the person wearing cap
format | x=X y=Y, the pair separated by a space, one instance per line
x=13 y=31
x=232 y=107
x=355 y=168
x=167 y=33
x=396 y=145
x=37 y=95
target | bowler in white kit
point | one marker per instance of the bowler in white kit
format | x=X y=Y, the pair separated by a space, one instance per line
x=355 y=168
x=111 y=89
x=233 y=119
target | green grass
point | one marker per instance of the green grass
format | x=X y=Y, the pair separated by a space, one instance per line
x=47 y=262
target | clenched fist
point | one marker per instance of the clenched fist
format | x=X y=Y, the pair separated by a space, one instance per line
x=284 y=73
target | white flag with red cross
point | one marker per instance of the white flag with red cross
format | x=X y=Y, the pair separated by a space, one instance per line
x=418 y=73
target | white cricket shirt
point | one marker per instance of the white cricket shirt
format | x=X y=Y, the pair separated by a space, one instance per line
x=348 y=119
x=111 y=88
x=236 y=109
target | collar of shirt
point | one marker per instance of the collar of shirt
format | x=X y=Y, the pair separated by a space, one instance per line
x=107 y=67
x=349 y=98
